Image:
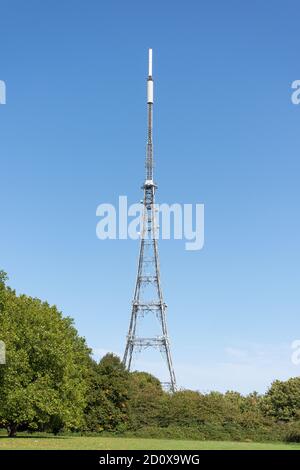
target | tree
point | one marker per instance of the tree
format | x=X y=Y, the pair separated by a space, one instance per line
x=183 y=409
x=43 y=382
x=282 y=400
x=3 y=277
x=146 y=400
x=108 y=398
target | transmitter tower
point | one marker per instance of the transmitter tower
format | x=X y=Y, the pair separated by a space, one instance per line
x=148 y=296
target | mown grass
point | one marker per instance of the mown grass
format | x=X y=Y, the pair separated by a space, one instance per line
x=115 y=443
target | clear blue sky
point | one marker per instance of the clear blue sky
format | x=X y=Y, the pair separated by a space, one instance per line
x=226 y=134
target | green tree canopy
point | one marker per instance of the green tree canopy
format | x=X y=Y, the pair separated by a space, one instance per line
x=282 y=400
x=146 y=400
x=108 y=399
x=3 y=277
x=44 y=378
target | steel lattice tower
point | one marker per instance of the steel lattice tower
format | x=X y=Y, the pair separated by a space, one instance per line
x=148 y=296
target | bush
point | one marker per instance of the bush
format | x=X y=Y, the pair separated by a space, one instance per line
x=293 y=433
x=293 y=436
x=212 y=432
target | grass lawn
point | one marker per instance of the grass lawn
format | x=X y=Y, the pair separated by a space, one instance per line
x=113 y=443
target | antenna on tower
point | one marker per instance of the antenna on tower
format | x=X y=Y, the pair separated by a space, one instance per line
x=150 y=63
x=149 y=156
x=150 y=81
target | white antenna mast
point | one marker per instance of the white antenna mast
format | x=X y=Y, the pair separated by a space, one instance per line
x=150 y=81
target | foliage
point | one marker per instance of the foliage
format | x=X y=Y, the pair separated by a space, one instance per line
x=293 y=432
x=282 y=401
x=3 y=277
x=108 y=398
x=50 y=382
x=146 y=400
x=43 y=382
